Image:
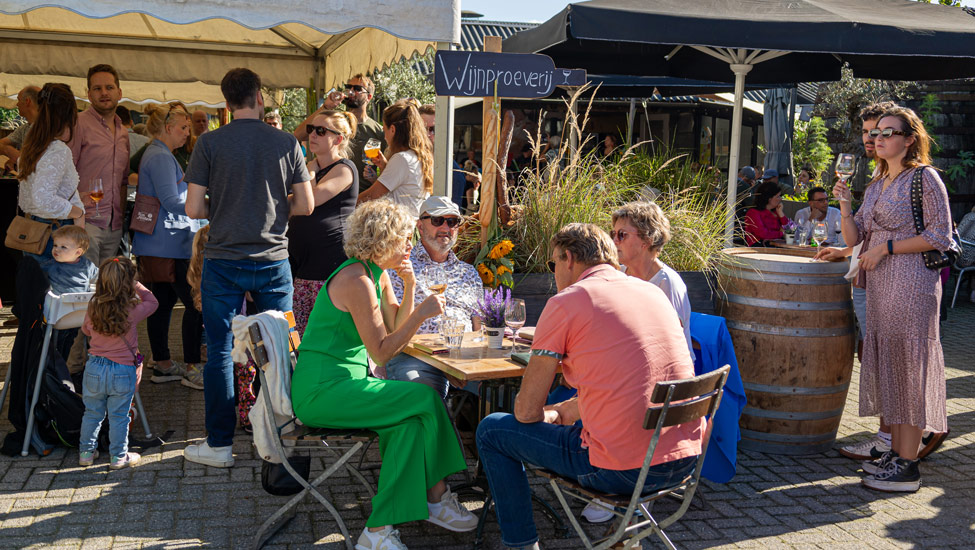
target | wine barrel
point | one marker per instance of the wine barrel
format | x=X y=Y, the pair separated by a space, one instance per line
x=791 y=322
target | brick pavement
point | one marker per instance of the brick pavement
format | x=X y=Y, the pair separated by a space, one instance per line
x=776 y=502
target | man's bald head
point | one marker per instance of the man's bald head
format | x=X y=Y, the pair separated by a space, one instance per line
x=27 y=103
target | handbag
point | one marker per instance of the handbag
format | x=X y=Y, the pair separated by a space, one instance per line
x=27 y=235
x=157 y=270
x=276 y=480
x=933 y=259
x=145 y=212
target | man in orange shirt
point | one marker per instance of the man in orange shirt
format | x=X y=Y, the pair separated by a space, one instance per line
x=616 y=337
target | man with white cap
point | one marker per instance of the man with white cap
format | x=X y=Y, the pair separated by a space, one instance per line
x=435 y=262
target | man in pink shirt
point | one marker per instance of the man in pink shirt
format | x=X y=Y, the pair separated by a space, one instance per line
x=616 y=337
x=100 y=147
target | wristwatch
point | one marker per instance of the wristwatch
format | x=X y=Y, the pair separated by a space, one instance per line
x=890 y=246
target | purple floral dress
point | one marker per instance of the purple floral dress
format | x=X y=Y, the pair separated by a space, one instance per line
x=902 y=377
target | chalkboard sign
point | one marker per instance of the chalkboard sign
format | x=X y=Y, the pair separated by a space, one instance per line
x=473 y=74
x=570 y=77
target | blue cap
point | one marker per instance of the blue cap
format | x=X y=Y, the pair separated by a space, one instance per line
x=748 y=173
x=770 y=173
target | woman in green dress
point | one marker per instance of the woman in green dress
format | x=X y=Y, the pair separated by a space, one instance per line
x=356 y=312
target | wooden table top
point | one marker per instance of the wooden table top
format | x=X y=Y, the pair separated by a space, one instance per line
x=473 y=361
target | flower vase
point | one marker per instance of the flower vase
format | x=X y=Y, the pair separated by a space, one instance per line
x=495 y=337
x=789 y=238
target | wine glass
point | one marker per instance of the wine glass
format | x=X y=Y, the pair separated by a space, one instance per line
x=845 y=164
x=514 y=317
x=96 y=192
x=819 y=233
x=434 y=277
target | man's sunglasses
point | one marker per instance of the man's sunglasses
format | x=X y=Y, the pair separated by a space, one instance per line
x=887 y=132
x=355 y=88
x=320 y=130
x=551 y=265
x=437 y=221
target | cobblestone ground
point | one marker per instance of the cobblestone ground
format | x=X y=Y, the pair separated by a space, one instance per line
x=773 y=502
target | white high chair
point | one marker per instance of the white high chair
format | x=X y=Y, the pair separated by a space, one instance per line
x=65 y=311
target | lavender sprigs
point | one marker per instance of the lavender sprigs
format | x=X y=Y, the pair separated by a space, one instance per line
x=491 y=308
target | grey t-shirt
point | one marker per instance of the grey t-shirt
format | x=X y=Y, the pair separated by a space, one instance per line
x=248 y=168
x=368 y=129
x=18 y=136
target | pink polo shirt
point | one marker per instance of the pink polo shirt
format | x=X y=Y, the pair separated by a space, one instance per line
x=99 y=154
x=617 y=337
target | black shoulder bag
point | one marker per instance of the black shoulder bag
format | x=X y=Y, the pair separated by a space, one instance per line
x=933 y=259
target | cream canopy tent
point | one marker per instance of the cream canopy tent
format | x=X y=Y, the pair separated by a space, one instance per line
x=195 y=42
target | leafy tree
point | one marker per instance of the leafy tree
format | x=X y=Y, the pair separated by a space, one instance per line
x=291 y=103
x=810 y=146
x=953 y=3
x=403 y=79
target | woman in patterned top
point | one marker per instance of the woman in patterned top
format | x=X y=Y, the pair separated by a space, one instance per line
x=902 y=376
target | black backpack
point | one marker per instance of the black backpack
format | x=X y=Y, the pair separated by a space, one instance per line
x=59 y=409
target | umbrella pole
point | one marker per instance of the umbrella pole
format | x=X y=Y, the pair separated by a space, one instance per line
x=740 y=70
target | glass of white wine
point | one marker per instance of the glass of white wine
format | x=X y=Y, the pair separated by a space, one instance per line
x=514 y=317
x=820 y=233
x=435 y=279
x=845 y=164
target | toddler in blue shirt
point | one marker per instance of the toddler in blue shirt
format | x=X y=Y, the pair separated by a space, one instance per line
x=69 y=270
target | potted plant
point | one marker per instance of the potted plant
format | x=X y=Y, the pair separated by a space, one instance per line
x=490 y=308
x=789 y=230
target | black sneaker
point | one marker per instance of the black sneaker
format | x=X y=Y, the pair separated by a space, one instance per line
x=898 y=476
x=876 y=466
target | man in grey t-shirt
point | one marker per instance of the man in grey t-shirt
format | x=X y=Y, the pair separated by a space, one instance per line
x=247 y=178
x=28 y=108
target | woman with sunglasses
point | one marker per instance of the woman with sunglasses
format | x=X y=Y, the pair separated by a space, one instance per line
x=315 y=241
x=640 y=231
x=902 y=376
x=408 y=174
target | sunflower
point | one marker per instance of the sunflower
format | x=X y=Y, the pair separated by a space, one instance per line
x=502 y=270
x=486 y=276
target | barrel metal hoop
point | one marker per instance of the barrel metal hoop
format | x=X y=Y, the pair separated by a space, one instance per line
x=791 y=306
x=750 y=275
x=787 y=415
x=789 y=331
x=792 y=390
x=812 y=268
x=781 y=449
x=783 y=438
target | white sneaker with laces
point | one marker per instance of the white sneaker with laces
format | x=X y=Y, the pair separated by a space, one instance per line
x=386 y=539
x=597 y=511
x=449 y=514
x=218 y=457
x=870 y=449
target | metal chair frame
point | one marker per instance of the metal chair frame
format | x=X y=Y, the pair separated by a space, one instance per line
x=340 y=443
x=961 y=273
x=679 y=401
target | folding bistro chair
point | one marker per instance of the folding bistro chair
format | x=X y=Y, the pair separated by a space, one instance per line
x=676 y=402
x=64 y=311
x=961 y=273
x=343 y=444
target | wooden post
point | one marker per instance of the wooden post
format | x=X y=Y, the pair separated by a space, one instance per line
x=489 y=148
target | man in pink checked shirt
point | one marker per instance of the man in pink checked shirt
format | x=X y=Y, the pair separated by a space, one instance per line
x=100 y=146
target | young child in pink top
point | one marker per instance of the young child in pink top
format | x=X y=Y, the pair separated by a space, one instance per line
x=112 y=371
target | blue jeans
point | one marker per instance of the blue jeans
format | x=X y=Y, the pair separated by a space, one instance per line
x=505 y=445
x=222 y=287
x=108 y=387
x=410 y=369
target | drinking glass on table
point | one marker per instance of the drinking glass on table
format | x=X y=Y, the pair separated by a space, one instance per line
x=96 y=192
x=514 y=317
x=819 y=233
x=453 y=332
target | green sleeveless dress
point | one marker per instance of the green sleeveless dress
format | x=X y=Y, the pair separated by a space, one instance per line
x=330 y=388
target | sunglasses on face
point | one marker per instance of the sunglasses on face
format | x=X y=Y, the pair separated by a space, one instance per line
x=618 y=236
x=437 y=221
x=886 y=132
x=320 y=130
x=355 y=88
x=551 y=265
x=430 y=129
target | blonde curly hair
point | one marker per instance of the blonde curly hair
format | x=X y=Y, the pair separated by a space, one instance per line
x=376 y=230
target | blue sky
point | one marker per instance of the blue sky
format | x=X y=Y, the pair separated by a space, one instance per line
x=533 y=10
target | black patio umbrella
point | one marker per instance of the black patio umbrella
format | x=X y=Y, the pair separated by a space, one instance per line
x=771 y=41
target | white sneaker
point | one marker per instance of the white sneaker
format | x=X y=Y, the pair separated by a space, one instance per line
x=449 y=514
x=870 y=449
x=218 y=457
x=387 y=539
x=597 y=511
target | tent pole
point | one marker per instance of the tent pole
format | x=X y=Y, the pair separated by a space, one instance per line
x=443 y=141
x=629 y=123
x=740 y=70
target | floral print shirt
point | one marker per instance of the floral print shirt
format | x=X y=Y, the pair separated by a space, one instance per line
x=464 y=287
